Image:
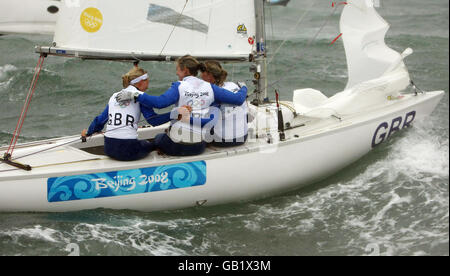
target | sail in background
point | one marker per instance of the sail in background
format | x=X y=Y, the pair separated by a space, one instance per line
x=28 y=16
x=278 y=2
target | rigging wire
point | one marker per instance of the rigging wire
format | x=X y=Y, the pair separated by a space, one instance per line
x=75 y=140
x=272 y=85
x=271 y=41
x=335 y=7
x=32 y=89
x=47 y=149
x=294 y=28
x=173 y=29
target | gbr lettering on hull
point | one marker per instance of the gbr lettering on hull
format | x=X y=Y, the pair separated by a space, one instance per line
x=386 y=129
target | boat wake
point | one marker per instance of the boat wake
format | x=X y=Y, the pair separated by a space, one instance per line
x=124 y=236
x=384 y=208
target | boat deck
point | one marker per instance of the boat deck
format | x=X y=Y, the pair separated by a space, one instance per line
x=48 y=158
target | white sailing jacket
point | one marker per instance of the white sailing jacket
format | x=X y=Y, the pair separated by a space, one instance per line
x=233 y=121
x=199 y=95
x=123 y=119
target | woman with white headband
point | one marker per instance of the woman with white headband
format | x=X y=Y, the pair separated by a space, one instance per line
x=122 y=119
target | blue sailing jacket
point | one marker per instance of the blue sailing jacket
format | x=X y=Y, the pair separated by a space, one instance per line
x=172 y=96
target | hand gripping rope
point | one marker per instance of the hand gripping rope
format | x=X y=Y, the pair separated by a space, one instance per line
x=16 y=133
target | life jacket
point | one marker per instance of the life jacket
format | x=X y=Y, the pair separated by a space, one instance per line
x=123 y=118
x=199 y=95
x=233 y=121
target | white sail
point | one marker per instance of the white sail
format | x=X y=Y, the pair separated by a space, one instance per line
x=155 y=29
x=376 y=73
x=363 y=32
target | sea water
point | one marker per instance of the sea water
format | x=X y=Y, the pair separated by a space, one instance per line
x=394 y=201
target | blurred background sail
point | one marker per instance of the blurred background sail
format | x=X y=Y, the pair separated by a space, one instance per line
x=278 y=2
x=28 y=16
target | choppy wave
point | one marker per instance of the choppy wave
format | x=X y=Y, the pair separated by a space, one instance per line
x=126 y=236
x=5 y=69
x=5 y=76
x=397 y=205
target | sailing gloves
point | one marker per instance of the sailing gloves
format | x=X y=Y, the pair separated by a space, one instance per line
x=125 y=96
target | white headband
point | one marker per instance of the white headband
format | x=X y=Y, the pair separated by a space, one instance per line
x=141 y=78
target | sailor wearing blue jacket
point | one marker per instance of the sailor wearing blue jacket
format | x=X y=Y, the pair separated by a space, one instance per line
x=121 y=119
x=184 y=138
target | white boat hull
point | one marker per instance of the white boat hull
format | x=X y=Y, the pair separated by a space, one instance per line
x=320 y=150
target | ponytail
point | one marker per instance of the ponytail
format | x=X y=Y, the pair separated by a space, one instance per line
x=223 y=77
x=219 y=74
x=202 y=67
x=190 y=63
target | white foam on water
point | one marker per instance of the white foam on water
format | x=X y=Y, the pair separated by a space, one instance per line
x=37 y=233
x=5 y=79
x=5 y=69
x=420 y=154
x=146 y=236
x=415 y=176
x=399 y=203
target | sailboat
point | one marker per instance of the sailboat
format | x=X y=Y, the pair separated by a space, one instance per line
x=28 y=16
x=292 y=144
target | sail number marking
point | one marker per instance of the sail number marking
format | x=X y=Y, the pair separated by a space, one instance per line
x=386 y=129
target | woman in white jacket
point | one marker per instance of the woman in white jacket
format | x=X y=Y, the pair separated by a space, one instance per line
x=231 y=128
x=122 y=118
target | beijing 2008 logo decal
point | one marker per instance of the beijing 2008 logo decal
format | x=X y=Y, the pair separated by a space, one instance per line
x=91 y=20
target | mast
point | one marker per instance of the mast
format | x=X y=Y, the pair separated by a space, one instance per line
x=260 y=58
